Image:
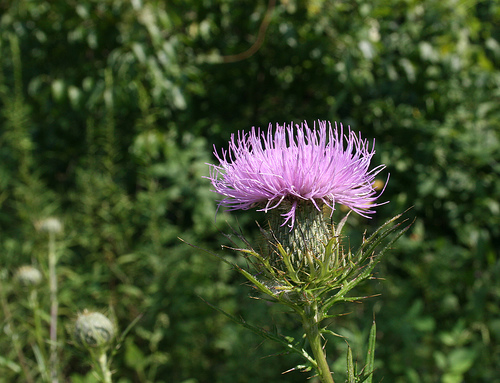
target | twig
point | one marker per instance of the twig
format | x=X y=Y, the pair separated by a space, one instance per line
x=260 y=37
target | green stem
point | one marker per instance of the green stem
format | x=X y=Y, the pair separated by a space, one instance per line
x=103 y=364
x=38 y=327
x=54 y=304
x=310 y=321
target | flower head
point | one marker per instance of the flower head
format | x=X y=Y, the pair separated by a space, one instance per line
x=28 y=276
x=287 y=167
x=49 y=225
x=93 y=329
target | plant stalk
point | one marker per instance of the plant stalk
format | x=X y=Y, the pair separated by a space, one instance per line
x=103 y=364
x=54 y=305
x=310 y=321
x=41 y=343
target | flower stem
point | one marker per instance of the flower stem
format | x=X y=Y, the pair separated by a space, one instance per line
x=54 y=304
x=103 y=364
x=311 y=326
x=39 y=332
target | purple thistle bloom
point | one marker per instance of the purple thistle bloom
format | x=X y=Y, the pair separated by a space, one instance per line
x=320 y=165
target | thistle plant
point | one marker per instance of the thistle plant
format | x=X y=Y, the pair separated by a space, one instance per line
x=98 y=336
x=29 y=279
x=95 y=333
x=53 y=227
x=299 y=176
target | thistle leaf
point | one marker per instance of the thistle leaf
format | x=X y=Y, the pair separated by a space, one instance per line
x=351 y=374
x=370 y=355
x=286 y=342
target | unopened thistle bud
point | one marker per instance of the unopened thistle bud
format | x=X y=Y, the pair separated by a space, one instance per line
x=93 y=329
x=28 y=276
x=49 y=225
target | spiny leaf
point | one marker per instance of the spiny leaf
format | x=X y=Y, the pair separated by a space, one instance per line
x=326 y=331
x=340 y=226
x=351 y=374
x=271 y=335
x=370 y=355
x=369 y=245
x=286 y=259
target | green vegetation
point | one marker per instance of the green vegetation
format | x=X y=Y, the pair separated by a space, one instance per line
x=108 y=113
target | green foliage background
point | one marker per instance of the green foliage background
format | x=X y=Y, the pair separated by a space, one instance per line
x=108 y=113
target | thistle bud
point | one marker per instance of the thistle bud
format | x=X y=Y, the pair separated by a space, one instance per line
x=93 y=329
x=28 y=276
x=49 y=225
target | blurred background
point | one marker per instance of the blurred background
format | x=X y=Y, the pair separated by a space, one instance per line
x=109 y=111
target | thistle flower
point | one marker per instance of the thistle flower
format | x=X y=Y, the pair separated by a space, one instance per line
x=298 y=174
x=290 y=167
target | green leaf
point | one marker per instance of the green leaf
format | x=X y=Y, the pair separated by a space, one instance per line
x=134 y=357
x=351 y=374
x=4 y=362
x=461 y=360
x=286 y=342
x=368 y=247
x=370 y=355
